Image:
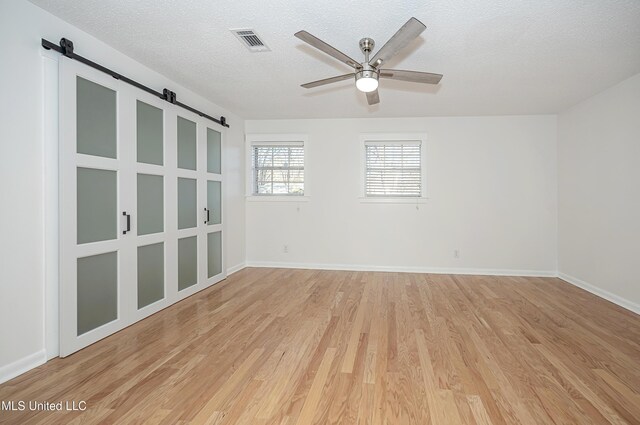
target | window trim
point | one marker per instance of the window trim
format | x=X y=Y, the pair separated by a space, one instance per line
x=271 y=139
x=393 y=138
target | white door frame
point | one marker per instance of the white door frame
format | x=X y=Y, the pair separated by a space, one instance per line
x=50 y=210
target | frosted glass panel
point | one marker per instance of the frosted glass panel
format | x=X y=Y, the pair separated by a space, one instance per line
x=213 y=202
x=187 y=262
x=96 y=119
x=186 y=144
x=97 y=205
x=214 y=253
x=186 y=203
x=150 y=204
x=213 y=151
x=149 y=133
x=97 y=291
x=150 y=274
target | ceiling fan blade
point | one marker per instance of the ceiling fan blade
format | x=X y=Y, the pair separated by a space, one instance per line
x=373 y=97
x=328 y=49
x=327 y=81
x=410 y=30
x=413 y=76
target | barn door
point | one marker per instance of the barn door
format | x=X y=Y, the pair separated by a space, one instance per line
x=141 y=205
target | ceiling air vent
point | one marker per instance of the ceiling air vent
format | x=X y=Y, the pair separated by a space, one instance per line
x=250 y=39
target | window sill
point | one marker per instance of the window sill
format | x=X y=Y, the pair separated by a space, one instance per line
x=276 y=198
x=381 y=200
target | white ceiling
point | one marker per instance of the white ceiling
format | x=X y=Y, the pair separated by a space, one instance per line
x=497 y=56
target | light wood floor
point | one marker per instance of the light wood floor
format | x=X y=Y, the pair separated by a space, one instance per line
x=301 y=347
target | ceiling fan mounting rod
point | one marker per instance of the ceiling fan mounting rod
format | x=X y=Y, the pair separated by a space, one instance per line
x=366 y=45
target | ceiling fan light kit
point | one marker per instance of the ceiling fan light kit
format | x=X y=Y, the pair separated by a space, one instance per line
x=366 y=84
x=368 y=73
x=367 y=80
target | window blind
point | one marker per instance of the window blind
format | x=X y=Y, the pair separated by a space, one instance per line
x=393 y=169
x=278 y=169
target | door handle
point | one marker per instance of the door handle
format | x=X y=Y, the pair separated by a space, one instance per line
x=128 y=229
x=207 y=220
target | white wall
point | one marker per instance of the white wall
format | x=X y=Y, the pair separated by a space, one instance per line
x=22 y=178
x=491 y=183
x=599 y=193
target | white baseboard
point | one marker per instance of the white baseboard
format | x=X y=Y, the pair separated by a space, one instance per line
x=231 y=270
x=23 y=365
x=622 y=302
x=435 y=270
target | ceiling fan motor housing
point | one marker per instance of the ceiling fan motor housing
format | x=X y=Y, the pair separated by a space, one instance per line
x=367 y=71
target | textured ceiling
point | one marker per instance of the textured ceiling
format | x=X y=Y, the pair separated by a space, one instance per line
x=497 y=56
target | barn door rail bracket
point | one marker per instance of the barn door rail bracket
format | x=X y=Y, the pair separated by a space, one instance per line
x=66 y=48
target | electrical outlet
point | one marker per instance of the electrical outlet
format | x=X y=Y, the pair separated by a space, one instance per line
x=285 y=249
x=456 y=253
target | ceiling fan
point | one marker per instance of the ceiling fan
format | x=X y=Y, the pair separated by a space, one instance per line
x=368 y=72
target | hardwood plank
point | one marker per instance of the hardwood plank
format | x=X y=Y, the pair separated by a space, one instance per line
x=213 y=406
x=479 y=413
x=315 y=392
x=356 y=329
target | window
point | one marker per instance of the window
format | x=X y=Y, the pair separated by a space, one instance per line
x=278 y=168
x=393 y=169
